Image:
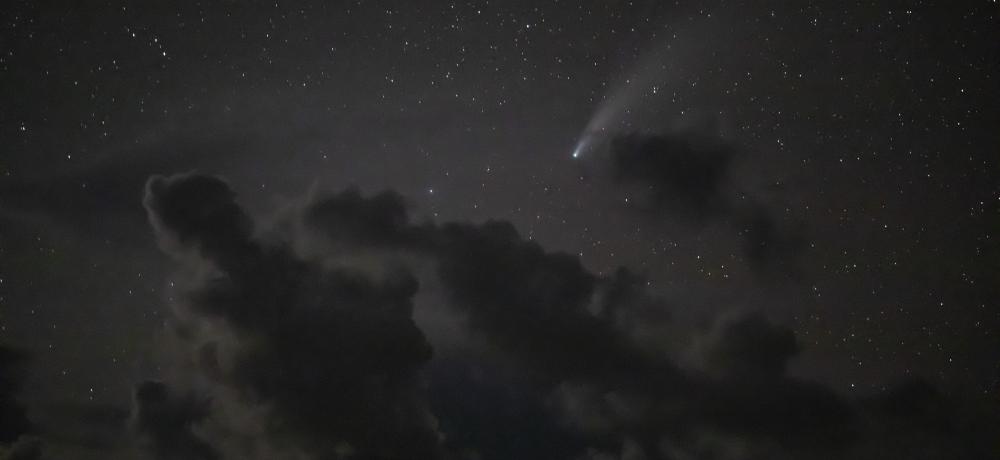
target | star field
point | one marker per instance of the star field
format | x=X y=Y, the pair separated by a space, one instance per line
x=828 y=167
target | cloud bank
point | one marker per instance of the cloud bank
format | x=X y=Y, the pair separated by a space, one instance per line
x=299 y=341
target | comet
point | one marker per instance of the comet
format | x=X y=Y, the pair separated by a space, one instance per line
x=581 y=145
x=646 y=83
x=586 y=143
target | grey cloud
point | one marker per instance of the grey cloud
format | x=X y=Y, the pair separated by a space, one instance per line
x=691 y=176
x=332 y=363
x=165 y=423
x=331 y=354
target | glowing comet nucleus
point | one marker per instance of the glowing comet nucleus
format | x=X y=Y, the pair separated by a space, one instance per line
x=583 y=145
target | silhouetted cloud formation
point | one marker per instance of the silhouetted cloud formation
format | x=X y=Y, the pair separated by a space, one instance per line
x=553 y=316
x=690 y=176
x=52 y=430
x=326 y=357
x=13 y=418
x=766 y=238
x=679 y=172
x=90 y=427
x=16 y=440
x=305 y=335
x=164 y=423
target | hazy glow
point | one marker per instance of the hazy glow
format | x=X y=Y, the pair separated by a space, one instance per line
x=646 y=82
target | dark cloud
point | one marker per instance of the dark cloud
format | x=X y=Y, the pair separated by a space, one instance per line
x=533 y=303
x=737 y=393
x=768 y=240
x=488 y=410
x=325 y=359
x=199 y=213
x=51 y=427
x=349 y=218
x=13 y=416
x=560 y=322
x=915 y=400
x=681 y=173
x=552 y=316
x=914 y=419
x=329 y=354
x=93 y=428
x=24 y=449
x=691 y=176
x=749 y=347
x=165 y=423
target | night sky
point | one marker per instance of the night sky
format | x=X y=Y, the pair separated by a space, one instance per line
x=499 y=230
